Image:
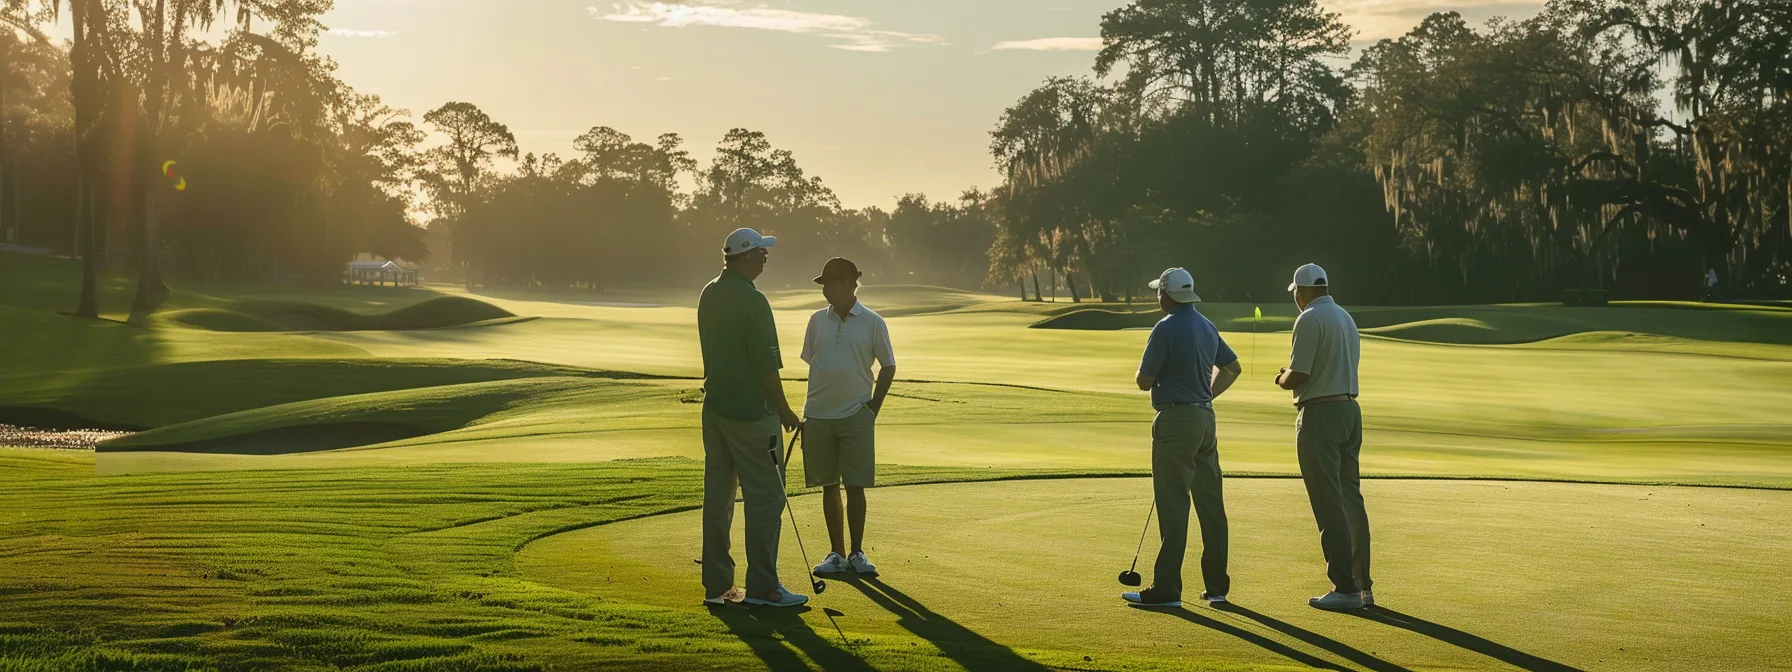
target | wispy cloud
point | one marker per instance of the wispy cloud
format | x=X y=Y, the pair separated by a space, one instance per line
x=1051 y=44
x=852 y=33
x=1376 y=19
x=350 y=32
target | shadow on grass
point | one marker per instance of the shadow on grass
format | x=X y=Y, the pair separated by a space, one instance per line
x=1266 y=643
x=767 y=630
x=1315 y=639
x=961 y=644
x=1449 y=635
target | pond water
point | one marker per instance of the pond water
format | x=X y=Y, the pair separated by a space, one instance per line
x=80 y=439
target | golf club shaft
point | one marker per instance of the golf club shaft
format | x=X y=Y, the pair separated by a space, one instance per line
x=779 y=467
x=1141 y=549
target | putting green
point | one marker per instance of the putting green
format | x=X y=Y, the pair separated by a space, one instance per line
x=1473 y=575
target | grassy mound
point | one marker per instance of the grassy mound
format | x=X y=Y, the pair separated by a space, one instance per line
x=134 y=397
x=338 y=422
x=1485 y=325
x=217 y=319
x=435 y=313
x=1096 y=319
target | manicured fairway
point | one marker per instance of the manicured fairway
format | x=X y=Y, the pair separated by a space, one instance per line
x=515 y=493
x=1472 y=574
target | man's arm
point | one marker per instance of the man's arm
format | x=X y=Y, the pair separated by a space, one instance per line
x=885 y=354
x=885 y=376
x=762 y=350
x=808 y=353
x=1292 y=379
x=1157 y=349
x=1300 y=360
x=774 y=390
x=1224 y=376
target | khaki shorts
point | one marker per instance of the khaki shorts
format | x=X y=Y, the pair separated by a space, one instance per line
x=841 y=451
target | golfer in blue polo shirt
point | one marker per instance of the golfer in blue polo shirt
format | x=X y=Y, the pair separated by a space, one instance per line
x=1186 y=365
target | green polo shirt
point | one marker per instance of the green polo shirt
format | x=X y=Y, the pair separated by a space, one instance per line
x=740 y=344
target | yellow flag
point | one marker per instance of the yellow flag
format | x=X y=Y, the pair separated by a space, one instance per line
x=1259 y=312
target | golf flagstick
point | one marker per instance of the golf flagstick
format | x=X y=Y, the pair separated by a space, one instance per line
x=1254 y=321
x=814 y=582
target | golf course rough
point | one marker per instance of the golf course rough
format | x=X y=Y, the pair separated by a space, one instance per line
x=255 y=524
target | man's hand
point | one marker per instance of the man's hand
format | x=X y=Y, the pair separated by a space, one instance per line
x=774 y=390
x=885 y=376
x=1290 y=380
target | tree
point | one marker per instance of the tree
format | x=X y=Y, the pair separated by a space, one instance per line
x=751 y=184
x=474 y=141
x=1230 y=60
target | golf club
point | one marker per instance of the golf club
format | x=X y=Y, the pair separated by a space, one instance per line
x=1131 y=576
x=819 y=585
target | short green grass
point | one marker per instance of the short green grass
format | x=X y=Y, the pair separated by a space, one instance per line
x=975 y=564
x=185 y=547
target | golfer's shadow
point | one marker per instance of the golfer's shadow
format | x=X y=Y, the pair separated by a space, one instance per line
x=766 y=630
x=1309 y=637
x=1449 y=635
x=964 y=646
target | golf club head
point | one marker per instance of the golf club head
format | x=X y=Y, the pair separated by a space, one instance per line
x=1131 y=578
x=819 y=585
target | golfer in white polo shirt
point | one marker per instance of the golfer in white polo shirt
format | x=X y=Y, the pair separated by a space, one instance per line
x=840 y=414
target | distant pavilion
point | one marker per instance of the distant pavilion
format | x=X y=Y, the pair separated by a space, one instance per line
x=380 y=273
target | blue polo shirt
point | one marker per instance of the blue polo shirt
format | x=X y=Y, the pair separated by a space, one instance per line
x=1181 y=353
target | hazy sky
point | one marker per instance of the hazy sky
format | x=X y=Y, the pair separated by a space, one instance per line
x=878 y=98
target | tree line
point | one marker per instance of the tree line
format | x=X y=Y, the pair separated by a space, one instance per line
x=1633 y=145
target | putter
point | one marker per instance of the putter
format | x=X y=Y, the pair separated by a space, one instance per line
x=1131 y=576
x=815 y=583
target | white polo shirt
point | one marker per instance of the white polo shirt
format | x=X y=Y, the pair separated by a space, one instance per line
x=839 y=353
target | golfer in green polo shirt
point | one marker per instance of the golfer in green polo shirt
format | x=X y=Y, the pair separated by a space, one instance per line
x=743 y=406
x=1321 y=373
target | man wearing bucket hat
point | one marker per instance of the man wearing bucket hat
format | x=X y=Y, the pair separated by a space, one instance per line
x=1186 y=365
x=743 y=407
x=1322 y=374
x=842 y=407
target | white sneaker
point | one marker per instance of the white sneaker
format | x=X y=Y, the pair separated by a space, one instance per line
x=1213 y=599
x=860 y=564
x=1368 y=598
x=785 y=598
x=1336 y=600
x=833 y=564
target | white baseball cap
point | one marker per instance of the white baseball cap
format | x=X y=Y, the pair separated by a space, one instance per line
x=746 y=240
x=1178 y=284
x=1310 y=275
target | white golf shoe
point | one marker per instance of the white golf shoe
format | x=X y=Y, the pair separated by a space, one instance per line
x=1368 y=598
x=859 y=564
x=833 y=564
x=1336 y=601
